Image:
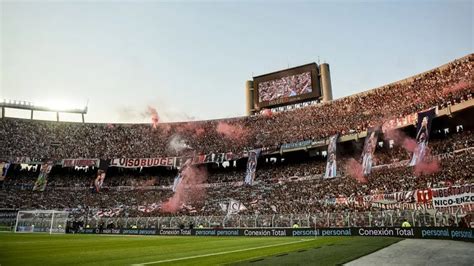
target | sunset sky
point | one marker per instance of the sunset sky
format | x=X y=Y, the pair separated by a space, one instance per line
x=190 y=59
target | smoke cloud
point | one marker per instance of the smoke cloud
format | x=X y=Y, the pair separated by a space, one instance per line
x=154 y=116
x=401 y=139
x=138 y=112
x=189 y=190
x=429 y=164
x=230 y=131
x=192 y=128
x=354 y=169
x=177 y=143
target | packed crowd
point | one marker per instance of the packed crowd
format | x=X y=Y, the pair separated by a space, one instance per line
x=269 y=195
x=40 y=139
x=291 y=186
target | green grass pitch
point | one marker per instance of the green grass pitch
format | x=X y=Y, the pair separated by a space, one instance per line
x=44 y=249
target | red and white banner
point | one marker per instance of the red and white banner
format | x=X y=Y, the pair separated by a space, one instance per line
x=109 y=212
x=424 y=195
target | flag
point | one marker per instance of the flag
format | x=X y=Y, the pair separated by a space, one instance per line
x=42 y=180
x=251 y=166
x=176 y=182
x=369 y=149
x=109 y=212
x=148 y=208
x=422 y=135
x=331 y=168
x=3 y=170
x=235 y=207
x=189 y=208
x=179 y=177
x=99 y=180
x=274 y=208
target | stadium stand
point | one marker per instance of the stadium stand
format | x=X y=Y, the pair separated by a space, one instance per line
x=288 y=185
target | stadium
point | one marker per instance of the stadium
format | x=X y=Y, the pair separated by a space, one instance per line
x=380 y=176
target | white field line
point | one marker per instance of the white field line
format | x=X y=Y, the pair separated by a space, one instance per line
x=220 y=253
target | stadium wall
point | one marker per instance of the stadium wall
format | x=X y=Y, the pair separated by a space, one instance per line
x=449 y=233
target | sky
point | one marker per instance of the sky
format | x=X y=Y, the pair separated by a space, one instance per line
x=190 y=59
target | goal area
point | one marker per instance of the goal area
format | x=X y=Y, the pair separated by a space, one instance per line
x=41 y=221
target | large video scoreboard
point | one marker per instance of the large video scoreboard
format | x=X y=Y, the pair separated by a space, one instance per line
x=287 y=86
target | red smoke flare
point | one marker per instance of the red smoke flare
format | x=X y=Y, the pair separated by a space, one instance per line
x=189 y=190
x=154 y=116
x=230 y=131
x=401 y=139
x=192 y=128
x=428 y=165
x=409 y=144
x=354 y=170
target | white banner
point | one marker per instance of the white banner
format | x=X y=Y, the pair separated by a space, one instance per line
x=453 y=196
x=235 y=207
x=454 y=200
x=331 y=170
x=251 y=166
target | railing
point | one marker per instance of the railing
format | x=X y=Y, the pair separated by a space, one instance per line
x=320 y=220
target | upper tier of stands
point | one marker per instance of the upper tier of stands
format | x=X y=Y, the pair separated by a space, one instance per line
x=448 y=84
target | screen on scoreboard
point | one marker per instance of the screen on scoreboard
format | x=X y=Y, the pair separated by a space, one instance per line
x=287 y=86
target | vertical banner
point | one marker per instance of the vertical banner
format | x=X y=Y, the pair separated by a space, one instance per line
x=331 y=168
x=369 y=149
x=251 y=166
x=176 y=182
x=99 y=180
x=179 y=177
x=40 y=184
x=3 y=170
x=422 y=135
